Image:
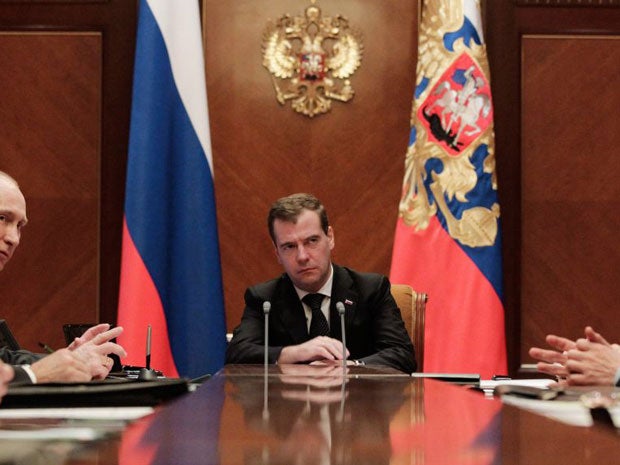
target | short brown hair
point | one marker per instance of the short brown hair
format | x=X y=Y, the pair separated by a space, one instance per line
x=290 y=207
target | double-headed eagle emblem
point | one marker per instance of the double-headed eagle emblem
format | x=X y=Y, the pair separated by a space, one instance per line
x=450 y=167
x=311 y=59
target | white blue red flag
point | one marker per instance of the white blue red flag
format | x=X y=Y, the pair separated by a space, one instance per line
x=448 y=240
x=170 y=273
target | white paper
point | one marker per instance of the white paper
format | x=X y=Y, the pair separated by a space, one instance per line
x=537 y=382
x=571 y=412
x=79 y=413
x=52 y=434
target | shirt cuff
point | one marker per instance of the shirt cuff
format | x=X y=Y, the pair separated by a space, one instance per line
x=30 y=373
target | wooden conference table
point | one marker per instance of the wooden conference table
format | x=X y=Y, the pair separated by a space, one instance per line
x=315 y=415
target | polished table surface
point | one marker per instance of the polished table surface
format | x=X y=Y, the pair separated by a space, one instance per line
x=321 y=415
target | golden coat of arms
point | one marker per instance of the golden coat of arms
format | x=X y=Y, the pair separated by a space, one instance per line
x=311 y=59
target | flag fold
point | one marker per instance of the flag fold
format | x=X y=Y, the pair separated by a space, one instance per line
x=448 y=239
x=170 y=271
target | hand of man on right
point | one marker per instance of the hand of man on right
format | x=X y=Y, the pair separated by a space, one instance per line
x=552 y=362
x=593 y=363
x=589 y=360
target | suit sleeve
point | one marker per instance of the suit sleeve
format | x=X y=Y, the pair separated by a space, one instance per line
x=392 y=345
x=20 y=377
x=248 y=342
x=18 y=357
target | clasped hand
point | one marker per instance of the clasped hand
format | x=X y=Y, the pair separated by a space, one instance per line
x=319 y=349
x=84 y=359
x=587 y=361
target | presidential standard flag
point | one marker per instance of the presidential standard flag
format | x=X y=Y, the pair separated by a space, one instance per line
x=170 y=272
x=447 y=240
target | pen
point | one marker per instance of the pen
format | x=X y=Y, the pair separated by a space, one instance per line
x=46 y=348
x=148 y=347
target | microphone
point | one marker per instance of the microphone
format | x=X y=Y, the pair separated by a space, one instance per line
x=266 y=308
x=148 y=347
x=147 y=373
x=340 y=308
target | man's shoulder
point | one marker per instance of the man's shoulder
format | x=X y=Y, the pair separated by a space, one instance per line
x=267 y=288
x=18 y=357
x=359 y=277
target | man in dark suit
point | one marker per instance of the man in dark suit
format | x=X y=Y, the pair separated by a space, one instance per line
x=87 y=356
x=304 y=323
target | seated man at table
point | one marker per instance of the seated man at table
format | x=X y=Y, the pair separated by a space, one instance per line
x=86 y=357
x=587 y=361
x=304 y=323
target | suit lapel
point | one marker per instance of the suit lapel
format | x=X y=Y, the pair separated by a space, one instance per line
x=290 y=311
x=342 y=291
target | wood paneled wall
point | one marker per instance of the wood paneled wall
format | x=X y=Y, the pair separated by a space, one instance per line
x=65 y=91
x=66 y=70
x=352 y=158
x=50 y=131
x=555 y=76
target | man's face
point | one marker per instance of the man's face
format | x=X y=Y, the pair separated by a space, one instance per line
x=12 y=219
x=304 y=250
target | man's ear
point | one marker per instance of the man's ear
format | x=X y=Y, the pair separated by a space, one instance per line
x=331 y=238
x=275 y=250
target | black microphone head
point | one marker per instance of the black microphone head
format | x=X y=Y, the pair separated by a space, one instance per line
x=340 y=308
x=266 y=307
x=147 y=374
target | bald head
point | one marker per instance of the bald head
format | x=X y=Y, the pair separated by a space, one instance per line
x=12 y=217
x=8 y=178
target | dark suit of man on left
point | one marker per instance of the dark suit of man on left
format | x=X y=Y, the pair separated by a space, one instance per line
x=86 y=357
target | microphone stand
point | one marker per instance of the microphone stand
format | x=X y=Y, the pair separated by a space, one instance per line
x=340 y=308
x=148 y=348
x=266 y=309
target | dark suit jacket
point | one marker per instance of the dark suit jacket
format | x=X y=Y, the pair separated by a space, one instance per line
x=375 y=332
x=16 y=358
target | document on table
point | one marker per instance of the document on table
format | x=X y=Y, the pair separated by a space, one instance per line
x=571 y=412
x=566 y=406
x=489 y=385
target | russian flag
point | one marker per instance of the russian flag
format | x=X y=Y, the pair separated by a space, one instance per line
x=448 y=238
x=170 y=271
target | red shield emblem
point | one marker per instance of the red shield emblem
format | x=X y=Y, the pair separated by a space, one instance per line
x=458 y=108
x=311 y=66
